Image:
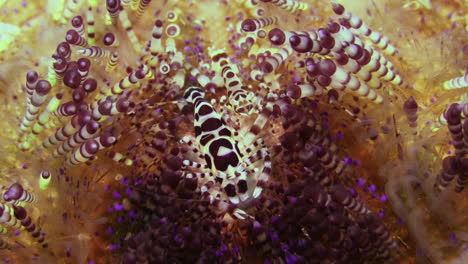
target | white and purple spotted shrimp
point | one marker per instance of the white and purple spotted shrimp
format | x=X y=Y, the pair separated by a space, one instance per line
x=236 y=176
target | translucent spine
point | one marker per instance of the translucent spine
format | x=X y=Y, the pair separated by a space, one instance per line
x=4 y=244
x=134 y=4
x=127 y=25
x=125 y=3
x=71 y=8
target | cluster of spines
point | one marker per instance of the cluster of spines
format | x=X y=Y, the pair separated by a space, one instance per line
x=305 y=89
x=360 y=27
x=357 y=66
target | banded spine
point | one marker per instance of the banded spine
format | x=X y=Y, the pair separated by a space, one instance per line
x=292 y=6
x=78 y=25
x=94 y=52
x=38 y=97
x=142 y=5
x=83 y=153
x=108 y=107
x=254 y=24
x=62 y=133
x=43 y=118
x=357 y=24
x=112 y=61
x=132 y=79
x=85 y=133
x=456 y=83
x=462 y=179
x=26 y=221
x=90 y=27
x=31 y=80
x=274 y=61
x=113 y=11
x=84 y=65
x=6 y=217
x=411 y=110
x=156 y=47
x=341 y=195
x=454 y=122
x=60 y=67
x=17 y=194
x=450 y=167
x=74 y=38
